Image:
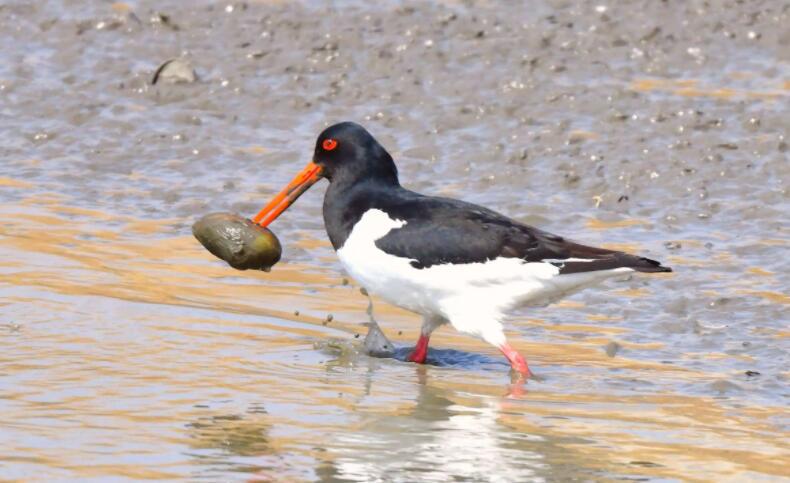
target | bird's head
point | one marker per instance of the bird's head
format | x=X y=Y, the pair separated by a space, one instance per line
x=345 y=153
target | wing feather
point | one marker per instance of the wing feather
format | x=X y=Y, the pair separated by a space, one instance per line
x=443 y=230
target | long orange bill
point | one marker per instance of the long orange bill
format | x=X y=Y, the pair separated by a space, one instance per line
x=285 y=198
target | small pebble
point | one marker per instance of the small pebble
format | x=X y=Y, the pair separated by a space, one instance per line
x=612 y=348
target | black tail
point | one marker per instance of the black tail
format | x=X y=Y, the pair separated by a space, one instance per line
x=592 y=259
x=648 y=266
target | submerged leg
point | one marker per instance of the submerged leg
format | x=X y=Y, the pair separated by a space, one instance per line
x=420 y=350
x=486 y=323
x=517 y=361
x=494 y=335
x=429 y=324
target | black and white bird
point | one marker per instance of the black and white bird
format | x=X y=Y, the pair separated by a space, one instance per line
x=447 y=260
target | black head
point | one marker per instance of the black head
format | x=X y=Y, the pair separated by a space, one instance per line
x=347 y=153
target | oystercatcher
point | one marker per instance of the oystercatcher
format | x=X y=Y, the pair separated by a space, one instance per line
x=448 y=260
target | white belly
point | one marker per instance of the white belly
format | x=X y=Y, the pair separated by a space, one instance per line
x=453 y=291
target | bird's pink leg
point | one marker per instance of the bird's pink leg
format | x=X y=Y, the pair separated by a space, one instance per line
x=420 y=350
x=517 y=361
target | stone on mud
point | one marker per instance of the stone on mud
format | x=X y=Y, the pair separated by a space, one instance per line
x=175 y=71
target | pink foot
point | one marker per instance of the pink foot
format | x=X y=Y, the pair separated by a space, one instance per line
x=517 y=361
x=420 y=350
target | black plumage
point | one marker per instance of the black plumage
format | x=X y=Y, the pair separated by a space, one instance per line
x=439 y=230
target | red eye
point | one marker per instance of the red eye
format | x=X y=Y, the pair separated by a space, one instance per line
x=329 y=144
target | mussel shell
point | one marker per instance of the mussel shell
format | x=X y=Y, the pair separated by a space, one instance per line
x=237 y=240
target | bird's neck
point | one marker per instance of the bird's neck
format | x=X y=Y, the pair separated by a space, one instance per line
x=366 y=174
x=345 y=203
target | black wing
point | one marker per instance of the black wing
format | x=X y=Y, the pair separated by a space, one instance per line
x=443 y=230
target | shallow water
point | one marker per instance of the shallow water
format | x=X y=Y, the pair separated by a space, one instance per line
x=128 y=352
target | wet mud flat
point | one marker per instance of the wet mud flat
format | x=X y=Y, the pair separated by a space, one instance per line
x=129 y=352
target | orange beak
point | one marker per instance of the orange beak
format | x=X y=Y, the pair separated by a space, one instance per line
x=285 y=198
